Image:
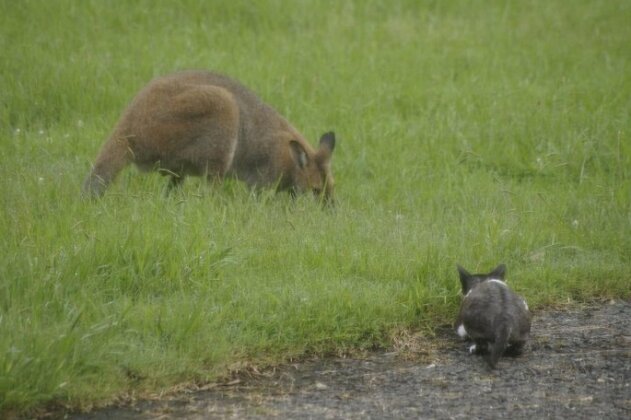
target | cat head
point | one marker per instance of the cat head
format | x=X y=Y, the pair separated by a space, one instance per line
x=470 y=281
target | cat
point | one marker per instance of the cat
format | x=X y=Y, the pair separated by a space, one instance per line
x=492 y=315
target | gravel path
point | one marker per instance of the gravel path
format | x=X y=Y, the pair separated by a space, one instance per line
x=578 y=365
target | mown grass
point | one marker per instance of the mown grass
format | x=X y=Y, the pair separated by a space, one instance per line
x=468 y=132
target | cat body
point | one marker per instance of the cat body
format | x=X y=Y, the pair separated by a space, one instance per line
x=492 y=315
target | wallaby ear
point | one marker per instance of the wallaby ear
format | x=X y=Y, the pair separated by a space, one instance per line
x=499 y=272
x=327 y=142
x=464 y=279
x=299 y=154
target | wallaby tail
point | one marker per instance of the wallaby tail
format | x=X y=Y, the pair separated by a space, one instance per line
x=502 y=334
x=112 y=158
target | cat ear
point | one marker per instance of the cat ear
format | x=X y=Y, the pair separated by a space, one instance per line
x=464 y=279
x=499 y=272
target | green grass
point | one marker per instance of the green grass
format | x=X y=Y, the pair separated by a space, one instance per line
x=471 y=132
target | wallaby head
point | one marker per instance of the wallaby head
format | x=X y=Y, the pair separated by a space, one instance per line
x=197 y=123
x=492 y=315
x=312 y=168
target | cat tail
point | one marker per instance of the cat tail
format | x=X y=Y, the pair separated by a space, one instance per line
x=502 y=334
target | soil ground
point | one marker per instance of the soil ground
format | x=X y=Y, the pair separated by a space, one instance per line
x=577 y=365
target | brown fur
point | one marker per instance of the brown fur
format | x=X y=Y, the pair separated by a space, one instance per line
x=205 y=124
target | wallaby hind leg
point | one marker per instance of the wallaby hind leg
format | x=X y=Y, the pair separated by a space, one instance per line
x=112 y=158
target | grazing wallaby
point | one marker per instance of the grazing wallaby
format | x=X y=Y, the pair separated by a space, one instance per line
x=205 y=124
x=492 y=315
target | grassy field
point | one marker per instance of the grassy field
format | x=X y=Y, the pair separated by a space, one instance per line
x=471 y=132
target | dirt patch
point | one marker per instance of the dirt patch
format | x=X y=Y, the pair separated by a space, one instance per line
x=578 y=365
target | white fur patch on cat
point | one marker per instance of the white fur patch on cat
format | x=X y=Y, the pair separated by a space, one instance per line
x=497 y=281
x=525 y=304
x=472 y=348
x=462 y=332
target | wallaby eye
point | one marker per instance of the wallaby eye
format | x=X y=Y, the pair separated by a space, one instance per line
x=317 y=191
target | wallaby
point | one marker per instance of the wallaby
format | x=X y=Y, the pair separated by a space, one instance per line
x=205 y=124
x=492 y=315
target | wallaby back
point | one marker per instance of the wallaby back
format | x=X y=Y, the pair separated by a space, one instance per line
x=492 y=315
x=206 y=124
